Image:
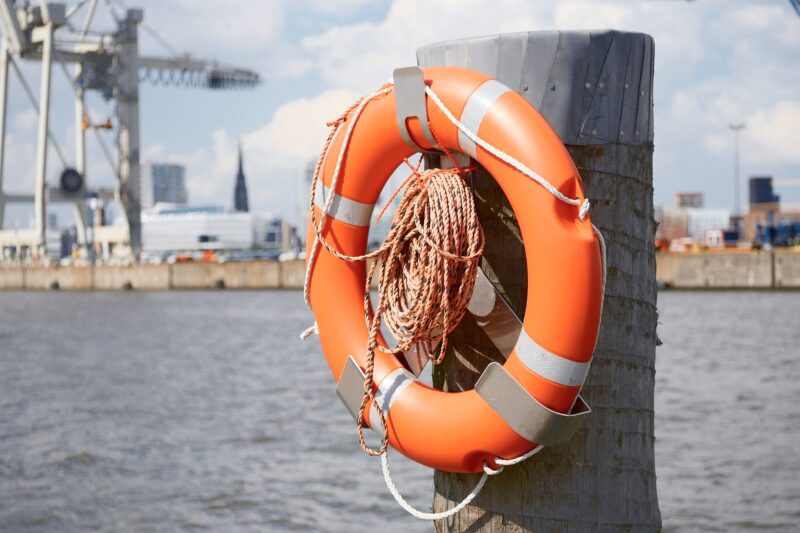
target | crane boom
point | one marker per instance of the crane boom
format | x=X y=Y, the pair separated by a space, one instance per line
x=210 y=74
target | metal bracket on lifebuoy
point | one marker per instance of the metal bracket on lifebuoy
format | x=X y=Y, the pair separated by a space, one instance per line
x=350 y=387
x=493 y=314
x=409 y=93
x=523 y=413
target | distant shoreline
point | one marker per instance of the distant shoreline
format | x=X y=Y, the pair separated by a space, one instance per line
x=751 y=270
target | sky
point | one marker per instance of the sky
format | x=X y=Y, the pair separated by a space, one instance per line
x=717 y=62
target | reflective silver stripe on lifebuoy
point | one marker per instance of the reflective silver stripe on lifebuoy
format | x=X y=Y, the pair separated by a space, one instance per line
x=474 y=112
x=549 y=365
x=344 y=209
x=388 y=391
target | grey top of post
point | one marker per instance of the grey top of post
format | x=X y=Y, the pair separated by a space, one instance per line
x=610 y=69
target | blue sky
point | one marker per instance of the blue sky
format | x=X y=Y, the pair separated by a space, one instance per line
x=717 y=62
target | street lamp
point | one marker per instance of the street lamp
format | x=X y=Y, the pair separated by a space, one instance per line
x=736 y=128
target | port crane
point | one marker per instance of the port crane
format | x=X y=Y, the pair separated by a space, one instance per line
x=105 y=61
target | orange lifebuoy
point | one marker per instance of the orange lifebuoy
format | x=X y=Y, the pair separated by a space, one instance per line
x=462 y=431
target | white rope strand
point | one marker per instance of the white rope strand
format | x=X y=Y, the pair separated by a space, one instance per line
x=311 y=330
x=517 y=460
x=502 y=156
x=601 y=240
x=487 y=471
x=603 y=258
x=387 y=476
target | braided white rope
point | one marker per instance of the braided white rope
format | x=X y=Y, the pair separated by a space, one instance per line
x=487 y=471
x=387 y=477
x=311 y=330
x=517 y=460
x=603 y=258
x=502 y=156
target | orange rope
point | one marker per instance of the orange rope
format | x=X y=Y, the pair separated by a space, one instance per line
x=414 y=173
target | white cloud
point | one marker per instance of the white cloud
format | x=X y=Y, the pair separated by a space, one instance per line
x=583 y=14
x=26 y=121
x=770 y=18
x=773 y=133
x=246 y=33
x=339 y=7
x=298 y=128
x=717 y=62
x=717 y=143
x=19 y=163
x=362 y=56
x=275 y=155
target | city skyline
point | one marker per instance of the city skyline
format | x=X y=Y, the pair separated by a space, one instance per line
x=712 y=58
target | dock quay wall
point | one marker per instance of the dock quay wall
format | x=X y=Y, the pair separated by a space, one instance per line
x=729 y=270
x=709 y=270
x=189 y=276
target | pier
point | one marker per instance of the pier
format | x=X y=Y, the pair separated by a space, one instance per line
x=775 y=269
x=197 y=276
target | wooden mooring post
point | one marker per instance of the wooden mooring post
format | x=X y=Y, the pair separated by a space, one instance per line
x=595 y=89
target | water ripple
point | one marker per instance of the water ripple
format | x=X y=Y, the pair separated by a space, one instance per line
x=201 y=411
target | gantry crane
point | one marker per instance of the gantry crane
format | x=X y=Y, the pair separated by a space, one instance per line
x=107 y=62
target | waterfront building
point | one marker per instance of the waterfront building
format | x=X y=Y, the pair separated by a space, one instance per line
x=680 y=223
x=702 y=220
x=180 y=228
x=693 y=199
x=303 y=199
x=761 y=192
x=162 y=182
x=765 y=208
x=240 y=202
x=69 y=240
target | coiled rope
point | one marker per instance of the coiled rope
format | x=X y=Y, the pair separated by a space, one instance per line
x=427 y=265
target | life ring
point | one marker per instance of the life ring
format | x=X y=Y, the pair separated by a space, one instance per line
x=534 y=397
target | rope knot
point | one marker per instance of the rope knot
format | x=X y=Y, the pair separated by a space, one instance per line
x=584 y=209
x=491 y=471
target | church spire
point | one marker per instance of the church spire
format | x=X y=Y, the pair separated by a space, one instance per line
x=240 y=202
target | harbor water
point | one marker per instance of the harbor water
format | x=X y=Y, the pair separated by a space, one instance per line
x=171 y=411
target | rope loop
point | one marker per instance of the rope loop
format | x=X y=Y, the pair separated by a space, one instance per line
x=584 y=209
x=491 y=471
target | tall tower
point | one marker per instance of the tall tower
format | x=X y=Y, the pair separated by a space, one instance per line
x=240 y=192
